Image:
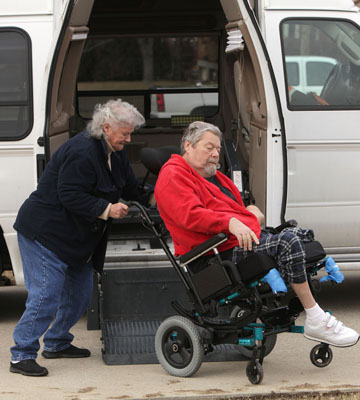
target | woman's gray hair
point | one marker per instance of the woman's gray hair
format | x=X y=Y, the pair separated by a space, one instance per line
x=116 y=112
x=194 y=132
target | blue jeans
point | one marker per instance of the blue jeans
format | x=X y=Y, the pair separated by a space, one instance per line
x=57 y=293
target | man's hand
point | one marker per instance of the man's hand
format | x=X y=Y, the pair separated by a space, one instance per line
x=118 y=210
x=243 y=234
x=256 y=211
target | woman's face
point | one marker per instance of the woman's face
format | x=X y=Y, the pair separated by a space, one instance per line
x=118 y=136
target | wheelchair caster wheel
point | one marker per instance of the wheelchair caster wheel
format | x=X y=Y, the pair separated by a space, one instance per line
x=321 y=355
x=179 y=347
x=255 y=372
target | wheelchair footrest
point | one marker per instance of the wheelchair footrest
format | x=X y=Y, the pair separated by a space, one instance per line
x=297 y=329
x=278 y=317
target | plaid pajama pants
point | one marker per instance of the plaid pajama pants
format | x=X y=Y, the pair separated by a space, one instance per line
x=286 y=248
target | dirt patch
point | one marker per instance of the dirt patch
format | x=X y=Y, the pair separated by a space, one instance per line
x=333 y=395
x=202 y=392
x=87 y=390
x=305 y=386
x=333 y=387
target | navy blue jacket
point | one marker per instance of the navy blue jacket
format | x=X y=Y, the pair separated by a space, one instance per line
x=74 y=190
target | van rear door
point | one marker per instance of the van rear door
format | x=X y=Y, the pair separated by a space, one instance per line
x=323 y=138
x=259 y=110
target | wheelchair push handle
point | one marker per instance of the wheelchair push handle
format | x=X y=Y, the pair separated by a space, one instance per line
x=142 y=210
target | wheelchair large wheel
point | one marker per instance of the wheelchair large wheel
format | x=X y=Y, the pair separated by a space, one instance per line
x=269 y=341
x=179 y=347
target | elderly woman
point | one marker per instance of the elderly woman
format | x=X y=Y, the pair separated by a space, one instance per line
x=63 y=229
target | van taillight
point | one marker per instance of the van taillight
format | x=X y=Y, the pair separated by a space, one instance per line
x=160 y=102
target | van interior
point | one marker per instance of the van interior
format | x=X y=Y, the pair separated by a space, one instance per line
x=178 y=62
x=168 y=59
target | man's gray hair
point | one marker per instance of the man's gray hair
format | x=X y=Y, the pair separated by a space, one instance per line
x=116 y=112
x=194 y=132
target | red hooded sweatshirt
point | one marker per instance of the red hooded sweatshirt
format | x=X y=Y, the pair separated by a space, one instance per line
x=194 y=209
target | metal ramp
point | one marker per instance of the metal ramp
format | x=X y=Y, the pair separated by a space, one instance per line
x=133 y=303
x=132 y=342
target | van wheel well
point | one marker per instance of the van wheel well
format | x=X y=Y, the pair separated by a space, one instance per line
x=5 y=261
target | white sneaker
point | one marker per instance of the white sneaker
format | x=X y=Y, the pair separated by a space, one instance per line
x=331 y=331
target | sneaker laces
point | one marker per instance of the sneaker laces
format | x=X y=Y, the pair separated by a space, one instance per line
x=334 y=323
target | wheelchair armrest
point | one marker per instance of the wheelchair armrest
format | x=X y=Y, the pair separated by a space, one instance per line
x=203 y=248
x=292 y=223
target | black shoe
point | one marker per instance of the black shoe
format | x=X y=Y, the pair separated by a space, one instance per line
x=28 y=368
x=69 y=352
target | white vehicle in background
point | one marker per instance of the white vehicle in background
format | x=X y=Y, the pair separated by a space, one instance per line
x=166 y=105
x=308 y=73
x=296 y=161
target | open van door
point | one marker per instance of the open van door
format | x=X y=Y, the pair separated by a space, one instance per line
x=259 y=124
x=60 y=109
x=323 y=141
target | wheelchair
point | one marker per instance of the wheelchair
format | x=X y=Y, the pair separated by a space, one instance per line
x=229 y=305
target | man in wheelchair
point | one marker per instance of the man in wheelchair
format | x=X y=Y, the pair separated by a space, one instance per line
x=196 y=201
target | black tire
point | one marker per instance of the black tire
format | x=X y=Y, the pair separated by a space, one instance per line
x=179 y=347
x=321 y=355
x=269 y=341
x=255 y=372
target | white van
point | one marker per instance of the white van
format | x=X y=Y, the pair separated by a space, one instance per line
x=295 y=160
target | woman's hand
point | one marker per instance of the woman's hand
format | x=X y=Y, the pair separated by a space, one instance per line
x=118 y=210
x=243 y=234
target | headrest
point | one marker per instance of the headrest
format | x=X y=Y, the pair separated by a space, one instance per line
x=154 y=158
x=336 y=85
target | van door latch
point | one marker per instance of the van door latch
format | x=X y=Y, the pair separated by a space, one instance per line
x=276 y=134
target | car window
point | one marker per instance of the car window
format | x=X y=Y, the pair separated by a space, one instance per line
x=327 y=54
x=15 y=84
x=161 y=76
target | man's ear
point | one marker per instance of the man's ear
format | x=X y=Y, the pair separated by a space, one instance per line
x=186 y=146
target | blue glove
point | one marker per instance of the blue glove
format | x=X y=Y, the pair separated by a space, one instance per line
x=275 y=281
x=333 y=271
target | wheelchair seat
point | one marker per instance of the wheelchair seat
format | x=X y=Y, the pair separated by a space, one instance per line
x=314 y=252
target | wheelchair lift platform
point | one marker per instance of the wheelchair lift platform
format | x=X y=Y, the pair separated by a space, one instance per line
x=133 y=302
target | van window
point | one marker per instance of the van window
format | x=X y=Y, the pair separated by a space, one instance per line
x=15 y=84
x=161 y=76
x=327 y=55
